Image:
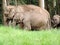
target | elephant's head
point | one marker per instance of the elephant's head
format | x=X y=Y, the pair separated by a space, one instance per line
x=10 y=11
x=56 y=20
x=18 y=17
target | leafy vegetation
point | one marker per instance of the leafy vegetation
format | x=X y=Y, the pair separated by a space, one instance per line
x=15 y=36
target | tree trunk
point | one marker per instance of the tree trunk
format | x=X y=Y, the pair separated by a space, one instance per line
x=8 y=2
x=41 y=3
x=4 y=9
x=16 y=3
x=4 y=4
x=54 y=3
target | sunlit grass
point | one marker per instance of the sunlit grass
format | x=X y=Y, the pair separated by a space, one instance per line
x=15 y=36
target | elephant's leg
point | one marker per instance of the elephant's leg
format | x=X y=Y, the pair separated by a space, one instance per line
x=27 y=25
x=21 y=25
x=43 y=27
x=49 y=24
x=14 y=23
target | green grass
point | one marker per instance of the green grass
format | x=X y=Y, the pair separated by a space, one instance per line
x=15 y=36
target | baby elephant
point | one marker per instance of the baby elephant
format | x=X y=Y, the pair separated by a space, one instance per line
x=56 y=20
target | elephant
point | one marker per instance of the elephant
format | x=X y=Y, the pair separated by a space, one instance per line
x=33 y=19
x=56 y=20
x=30 y=17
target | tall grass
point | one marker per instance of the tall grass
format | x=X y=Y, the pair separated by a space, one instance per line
x=15 y=36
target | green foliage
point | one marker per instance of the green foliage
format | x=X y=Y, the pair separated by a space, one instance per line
x=13 y=36
x=0 y=11
x=0 y=19
x=35 y=2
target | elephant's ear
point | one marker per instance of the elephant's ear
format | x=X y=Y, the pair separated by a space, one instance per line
x=12 y=13
x=7 y=11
